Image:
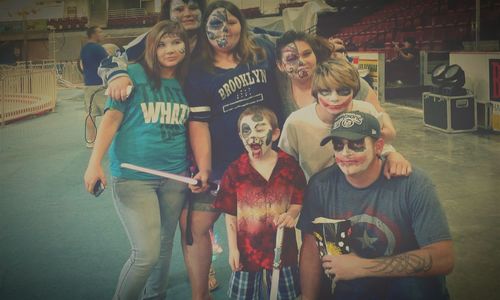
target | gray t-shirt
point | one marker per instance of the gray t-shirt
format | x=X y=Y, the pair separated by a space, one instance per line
x=388 y=217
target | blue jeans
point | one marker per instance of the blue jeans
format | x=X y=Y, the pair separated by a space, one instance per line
x=149 y=211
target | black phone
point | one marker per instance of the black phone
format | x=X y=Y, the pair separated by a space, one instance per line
x=98 y=188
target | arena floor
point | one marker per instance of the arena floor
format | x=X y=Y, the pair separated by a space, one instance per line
x=58 y=242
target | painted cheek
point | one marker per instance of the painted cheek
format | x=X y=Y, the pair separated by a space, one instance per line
x=269 y=137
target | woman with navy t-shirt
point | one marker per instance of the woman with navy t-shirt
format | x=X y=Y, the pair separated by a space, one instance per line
x=148 y=130
x=233 y=72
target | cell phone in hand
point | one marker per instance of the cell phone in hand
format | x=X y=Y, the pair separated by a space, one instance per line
x=98 y=188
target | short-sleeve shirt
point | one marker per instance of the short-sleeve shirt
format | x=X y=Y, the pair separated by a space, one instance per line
x=304 y=130
x=255 y=202
x=153 y=132
x=388 y=217
x=220 y=96
x=91 y=56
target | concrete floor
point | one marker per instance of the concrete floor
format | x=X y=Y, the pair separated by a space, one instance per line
x=58 y=242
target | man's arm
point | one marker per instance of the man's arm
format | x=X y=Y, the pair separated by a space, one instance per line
x=431 y=260
x=310 y=267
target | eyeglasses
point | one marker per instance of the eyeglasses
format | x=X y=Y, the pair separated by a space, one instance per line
x=356 y=145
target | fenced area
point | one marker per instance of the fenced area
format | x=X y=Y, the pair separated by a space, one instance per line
x=30 y=88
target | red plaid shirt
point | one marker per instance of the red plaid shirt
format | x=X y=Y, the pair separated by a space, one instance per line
x=255 y=202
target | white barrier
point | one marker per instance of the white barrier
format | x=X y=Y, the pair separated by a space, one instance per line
x=25 y=92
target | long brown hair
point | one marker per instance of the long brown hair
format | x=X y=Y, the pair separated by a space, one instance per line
x=246 y=51
x=149 y=60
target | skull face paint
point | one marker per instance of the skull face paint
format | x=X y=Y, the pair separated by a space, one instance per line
x=170 y=51
x=298 y=60
x=223 y=30
x=217 y=28
x=188 y=14
x=256 y=134
x=353 y=162
x=335 y=101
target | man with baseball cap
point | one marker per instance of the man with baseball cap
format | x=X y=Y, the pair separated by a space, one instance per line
x=400 y=242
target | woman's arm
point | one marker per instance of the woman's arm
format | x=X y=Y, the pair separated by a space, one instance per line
x=388 y=131
x=107 y=130
x=199 y=138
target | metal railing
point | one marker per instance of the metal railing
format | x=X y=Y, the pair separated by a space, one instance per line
x=25 y=92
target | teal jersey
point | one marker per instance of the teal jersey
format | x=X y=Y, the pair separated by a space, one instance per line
x=153 y=131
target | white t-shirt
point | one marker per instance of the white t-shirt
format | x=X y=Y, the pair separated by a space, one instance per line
x=303 y=131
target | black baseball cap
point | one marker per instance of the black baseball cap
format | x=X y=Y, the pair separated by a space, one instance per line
x=353 y=126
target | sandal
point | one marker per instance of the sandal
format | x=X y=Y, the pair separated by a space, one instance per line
x=212 y=281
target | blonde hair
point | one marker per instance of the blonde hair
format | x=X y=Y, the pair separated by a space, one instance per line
x=246 y=51
x=149 y=59
x=259 y=109
x=333 y=74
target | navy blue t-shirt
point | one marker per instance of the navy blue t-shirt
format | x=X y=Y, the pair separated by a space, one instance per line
x=388 y=217
x=220 y=96
x=91 y=56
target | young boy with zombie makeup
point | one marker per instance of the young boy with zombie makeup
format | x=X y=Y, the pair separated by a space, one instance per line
x=260 y=192
x=334 y=84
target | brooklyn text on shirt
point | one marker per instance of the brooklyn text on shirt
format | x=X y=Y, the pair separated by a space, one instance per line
x=243 y=80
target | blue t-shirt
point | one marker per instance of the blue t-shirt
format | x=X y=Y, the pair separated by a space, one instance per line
x=153 y=132
x=220 y=96
x=388 y=217
x=91 y=56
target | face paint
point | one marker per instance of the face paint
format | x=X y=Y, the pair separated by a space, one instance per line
x=187 y=14
x=298 y=60
x=257 y=117
x=217 y=29
x=335 y=101
x=354 y=162
x=356 y=146
x=256 y=135
x=170 y=51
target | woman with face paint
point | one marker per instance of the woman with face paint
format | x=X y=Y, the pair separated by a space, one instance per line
x=297 y=54
x=113 y=70
x=149 y=129
x=234 y=71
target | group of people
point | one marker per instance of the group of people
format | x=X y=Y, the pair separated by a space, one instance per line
x=210 y=95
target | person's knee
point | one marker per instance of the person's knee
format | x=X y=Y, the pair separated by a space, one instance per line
x=146 y=257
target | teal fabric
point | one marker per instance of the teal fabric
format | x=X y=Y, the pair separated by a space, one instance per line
x=153 y=131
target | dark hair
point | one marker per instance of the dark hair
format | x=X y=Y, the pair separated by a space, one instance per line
x=246 y=51
x=410 y=40
x=165 y=8
x=91 y=30
x=149 y=60
x=320 y=47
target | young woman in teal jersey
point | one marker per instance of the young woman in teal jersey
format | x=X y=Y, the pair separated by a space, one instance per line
x=147 y=130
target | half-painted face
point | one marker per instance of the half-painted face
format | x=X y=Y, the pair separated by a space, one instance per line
x=256 y=133
x=335 y=101
x=353 y=157
x=170 y=51
x=187 y=14
x=223 y=30
x=298 y=60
